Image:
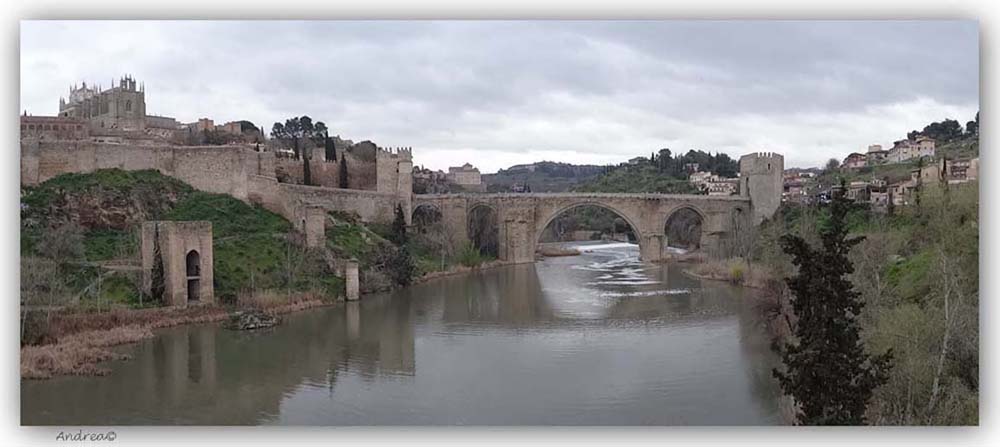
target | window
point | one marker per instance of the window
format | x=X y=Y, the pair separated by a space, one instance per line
x=128 y=106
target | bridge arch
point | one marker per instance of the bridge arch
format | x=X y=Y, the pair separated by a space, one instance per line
x=483 y=228
x=558 y=211
x=426 y=214
x=684 y=227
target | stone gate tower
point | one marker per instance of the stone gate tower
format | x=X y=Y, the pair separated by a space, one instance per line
x=761 y=179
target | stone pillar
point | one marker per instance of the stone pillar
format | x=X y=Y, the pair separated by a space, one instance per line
x=352 y=287
x=651 y=248
x=315 y=226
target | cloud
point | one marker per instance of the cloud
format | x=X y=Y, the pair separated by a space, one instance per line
x=500 y=93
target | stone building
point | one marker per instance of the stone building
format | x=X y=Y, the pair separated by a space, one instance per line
x=177 y=259
x=904 y=150
x=53 y=128
x=854 y=161
x=467 y=177
x=761 y=179
x=876 y=155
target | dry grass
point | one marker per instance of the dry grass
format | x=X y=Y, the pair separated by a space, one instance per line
x=77 y=342
x=79 y=354
x=735 y=271
x=277 y=302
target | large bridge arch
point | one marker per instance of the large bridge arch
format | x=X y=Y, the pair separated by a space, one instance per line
x=543 y=220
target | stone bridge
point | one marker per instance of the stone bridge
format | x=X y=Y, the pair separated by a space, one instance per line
x=521 y=218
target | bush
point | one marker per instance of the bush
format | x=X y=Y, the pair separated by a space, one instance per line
x=469 y=256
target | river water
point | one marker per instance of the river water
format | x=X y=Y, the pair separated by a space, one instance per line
x=596 y=339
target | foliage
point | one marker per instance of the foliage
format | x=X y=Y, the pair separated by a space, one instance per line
x=470 y=256
x=643 y=178
x=827 y=370
x=294 y=130
x=398 y=234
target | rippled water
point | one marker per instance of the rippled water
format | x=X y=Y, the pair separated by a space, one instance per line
x=596 y=339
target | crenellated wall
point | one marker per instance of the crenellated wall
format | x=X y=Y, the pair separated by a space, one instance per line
x=236 y=170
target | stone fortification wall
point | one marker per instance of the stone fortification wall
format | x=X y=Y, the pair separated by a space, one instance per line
x=219 y=169
x=236 y=170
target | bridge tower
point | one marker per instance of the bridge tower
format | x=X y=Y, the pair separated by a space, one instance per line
x=761 y=179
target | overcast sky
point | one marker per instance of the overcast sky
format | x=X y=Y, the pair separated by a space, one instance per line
x=501 y=93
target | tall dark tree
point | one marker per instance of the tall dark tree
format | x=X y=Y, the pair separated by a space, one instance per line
x=294 y=131
x=826 y=368
x=342 y=178
x=398 y=235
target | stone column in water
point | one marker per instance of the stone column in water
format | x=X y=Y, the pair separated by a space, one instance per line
x=352 y=287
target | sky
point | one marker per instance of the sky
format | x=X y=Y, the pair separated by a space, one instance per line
x=499 y=93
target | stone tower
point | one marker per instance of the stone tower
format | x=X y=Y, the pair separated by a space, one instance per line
x=761 y=177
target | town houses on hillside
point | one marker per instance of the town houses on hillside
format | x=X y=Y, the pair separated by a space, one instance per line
x=902 y=150
x=712 y=184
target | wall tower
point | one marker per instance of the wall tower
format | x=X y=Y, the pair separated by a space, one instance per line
x=761 y=179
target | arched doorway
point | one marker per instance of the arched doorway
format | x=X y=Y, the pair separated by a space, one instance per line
x=683 y=229
x=193 y=269
x=484 y=230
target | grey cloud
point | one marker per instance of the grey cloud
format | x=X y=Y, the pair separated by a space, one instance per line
x=608 y=89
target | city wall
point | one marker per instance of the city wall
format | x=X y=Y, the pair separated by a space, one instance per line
x=236 y=170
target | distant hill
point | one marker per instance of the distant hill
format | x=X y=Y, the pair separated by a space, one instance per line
x=544 y=176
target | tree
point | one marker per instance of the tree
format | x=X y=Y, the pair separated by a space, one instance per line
x=294 y=131
x=832 y=165
x=342 y=178
x=398 y=235
x=972 y=127
x=826 y=369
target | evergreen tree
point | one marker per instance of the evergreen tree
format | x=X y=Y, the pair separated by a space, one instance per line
x=343 y=172
x=827 y=370
x=399 y=227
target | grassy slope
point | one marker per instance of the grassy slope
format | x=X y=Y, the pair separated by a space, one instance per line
x=249 y=241
x=637 y=179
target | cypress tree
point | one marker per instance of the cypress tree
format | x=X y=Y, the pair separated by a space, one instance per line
x=399 y=227
x=343 y=172
x=827 y=370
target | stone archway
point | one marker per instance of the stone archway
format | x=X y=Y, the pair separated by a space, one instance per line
x=684 y=228
x=483 y=226
x=424 y=215
x=552 y=216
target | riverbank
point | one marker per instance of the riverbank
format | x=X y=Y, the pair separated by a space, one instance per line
x=459 y=269
x=75 y=343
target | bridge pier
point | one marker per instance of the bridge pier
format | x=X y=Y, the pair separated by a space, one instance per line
x=651 y=247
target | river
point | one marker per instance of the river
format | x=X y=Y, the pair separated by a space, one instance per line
x=595 y=339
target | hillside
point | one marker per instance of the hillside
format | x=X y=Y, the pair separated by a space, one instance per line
x=75 y=223
x=637 y=179
x=545 y=176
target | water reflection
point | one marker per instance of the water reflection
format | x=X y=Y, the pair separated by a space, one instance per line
x=594 y=339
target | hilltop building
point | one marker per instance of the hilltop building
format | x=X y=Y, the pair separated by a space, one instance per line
x=467 y=177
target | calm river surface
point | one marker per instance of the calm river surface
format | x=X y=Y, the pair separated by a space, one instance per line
x=597 y=339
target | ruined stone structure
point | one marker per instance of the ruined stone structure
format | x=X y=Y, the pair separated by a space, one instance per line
x=177 y=259
x=521 y=218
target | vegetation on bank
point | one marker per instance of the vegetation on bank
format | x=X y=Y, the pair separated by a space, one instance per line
x=916 y=275
x=661 y=173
